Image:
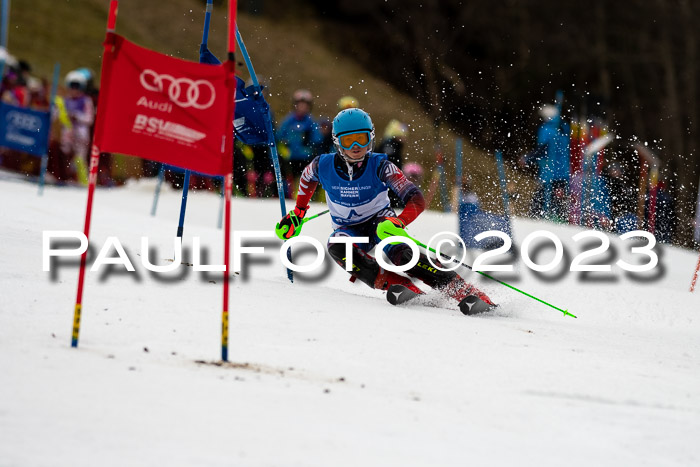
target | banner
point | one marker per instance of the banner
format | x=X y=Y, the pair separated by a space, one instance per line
x=24 y=129
x=165 y=109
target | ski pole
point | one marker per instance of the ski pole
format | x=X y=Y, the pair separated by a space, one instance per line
x=156 y=194
x=387 y=229
x=307 y=219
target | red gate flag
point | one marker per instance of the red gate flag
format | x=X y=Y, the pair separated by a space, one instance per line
x=165 y=109
x=169 y=110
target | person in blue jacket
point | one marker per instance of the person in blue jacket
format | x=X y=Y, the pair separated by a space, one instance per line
x=553 y=164
x=300 y=133
x=356 y=181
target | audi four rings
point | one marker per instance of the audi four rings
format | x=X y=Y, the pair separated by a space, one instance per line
x=153 y=81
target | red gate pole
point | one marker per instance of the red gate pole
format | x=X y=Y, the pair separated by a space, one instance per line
x=228 y=185
x=92 y=179
x=695 y=276
x=228 y=179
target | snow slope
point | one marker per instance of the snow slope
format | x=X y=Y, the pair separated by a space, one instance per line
x=323 y=371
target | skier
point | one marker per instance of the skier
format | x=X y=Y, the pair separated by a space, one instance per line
x=356 y=181
x=75 y=139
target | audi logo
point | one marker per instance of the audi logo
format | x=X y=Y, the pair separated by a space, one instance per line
x=182 y=91
x=23 y=121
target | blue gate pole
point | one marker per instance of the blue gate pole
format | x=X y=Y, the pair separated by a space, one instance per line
x=52 y=98
x=271 y=139
x=268 y=124
x=183 y=205
x=207 y=19
x=4 y=32
x=221 y=206
x=186 y=183
x=156 y=194
x=5 y=22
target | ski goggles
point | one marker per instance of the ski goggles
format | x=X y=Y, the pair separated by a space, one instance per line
x=361 y=138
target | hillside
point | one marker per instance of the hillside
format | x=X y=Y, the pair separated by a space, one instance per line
x=285 y=55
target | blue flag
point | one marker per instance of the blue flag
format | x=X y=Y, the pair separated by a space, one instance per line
x=205 y=56
x=24 y=129
x=251 y=107
x=251 y=110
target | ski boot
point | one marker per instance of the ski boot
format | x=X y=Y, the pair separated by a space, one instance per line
x=399 y=289
x=471 y=300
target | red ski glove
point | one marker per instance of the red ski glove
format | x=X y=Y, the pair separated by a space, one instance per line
x=397 y=221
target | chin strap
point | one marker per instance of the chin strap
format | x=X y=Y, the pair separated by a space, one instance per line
x=351 y=165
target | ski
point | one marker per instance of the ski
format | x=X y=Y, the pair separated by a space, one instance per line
x=470 y=305
x=473 y=305
x=397 y=294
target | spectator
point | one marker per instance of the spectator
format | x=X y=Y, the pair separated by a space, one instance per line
x=552 y=158
x=597 y=212
x=301 y=135
x=59 y=163
x=89 y=81
x=327 y=144
x=265 y=182
x=665 y=214
x=242 y=157
x=17 y=94
x=414 y=172
x=393 y=142
x=622 y=200
x=592 y=205
x=23 y=72
x=38 y=93
x=392 y=145
x=13 y=92
x=348 y=102
x=75 y=140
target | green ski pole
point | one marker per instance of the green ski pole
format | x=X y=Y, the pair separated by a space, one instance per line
x=387 y=229
x=307 y=219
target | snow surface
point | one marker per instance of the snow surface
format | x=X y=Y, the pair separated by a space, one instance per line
x=323 y=371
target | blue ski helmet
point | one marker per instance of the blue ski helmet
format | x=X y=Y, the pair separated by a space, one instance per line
x=352 y=121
